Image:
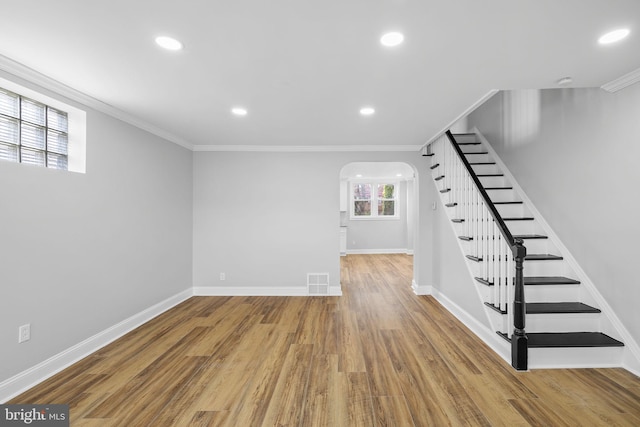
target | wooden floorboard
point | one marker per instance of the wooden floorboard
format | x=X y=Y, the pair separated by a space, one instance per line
x=377 y=356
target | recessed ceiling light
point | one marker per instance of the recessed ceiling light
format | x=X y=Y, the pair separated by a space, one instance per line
x=565 y=81
x=392 y=39
x=359 y=175
x=614 y=36
x=398 y=174
x=367 y=111
x=239 y=111
x=168 y=43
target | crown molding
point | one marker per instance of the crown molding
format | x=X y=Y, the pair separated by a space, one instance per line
x=305 y=148
x=622 y=82
x=32 y=76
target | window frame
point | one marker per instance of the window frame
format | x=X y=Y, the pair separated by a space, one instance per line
x=374 y=216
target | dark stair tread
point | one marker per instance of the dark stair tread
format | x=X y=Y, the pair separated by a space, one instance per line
x=484 y=175
x=428 y=154
x=498 y=188
x=523 y=218
x=496 y=308
x=474 y=258
x=559 y=307
x=542 y=257
x=439 y=178
x=482 y=163
x=446 y=190
x=450 y=205
x=549 y=280
x=484 y=281
x=476 y=152
x=457 y=220
x=515 y=202
x=465 y=238
x=551 y=308
x=530 y=236
x=568 y=339
x=469 y=143
x=572 y=339
x=435 y=166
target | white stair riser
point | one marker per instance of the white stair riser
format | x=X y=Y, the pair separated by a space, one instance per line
x=471 y=158
x=556 y=322
x=502 y=195
x=576 y=357
x=551 y=293
x=513 y=211
x=493 y=181
x=482 y=169
x=469 y=137
x=547 y=268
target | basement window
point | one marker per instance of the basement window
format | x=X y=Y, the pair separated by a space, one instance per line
x=374 y=200
x=39 y=130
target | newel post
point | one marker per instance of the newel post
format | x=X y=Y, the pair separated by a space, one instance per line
x=519 y=340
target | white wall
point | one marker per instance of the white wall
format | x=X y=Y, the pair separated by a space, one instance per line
x=267 y=219
x=369 y=236
x=81 y=252
x=575 y=153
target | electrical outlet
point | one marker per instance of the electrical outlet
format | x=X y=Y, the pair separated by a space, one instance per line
x=24 y=333
x=223 y=276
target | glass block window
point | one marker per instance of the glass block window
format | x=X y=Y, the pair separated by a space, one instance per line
x=32 y=132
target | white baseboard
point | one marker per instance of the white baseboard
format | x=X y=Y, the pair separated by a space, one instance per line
x=421 y=290
x=275 y=291
x=379 y=251
x=27 y=379
x=335 y=291
x=498 y=344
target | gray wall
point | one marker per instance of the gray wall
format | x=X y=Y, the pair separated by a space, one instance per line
x=575 y=153
x=371 y=235
x=267 y=219
x=79 y=253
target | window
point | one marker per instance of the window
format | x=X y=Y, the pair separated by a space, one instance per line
x=374 y=200
x=32 y=132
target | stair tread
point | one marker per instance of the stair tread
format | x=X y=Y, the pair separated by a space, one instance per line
x=514 y=202
x=428 y=154
x=474 y=258
x=484 y=175
x=477 y=152
x=498 y=188
x=549 y=280
x=482 y=163
x=542 y=257
x=522 y=218
x=484 y=281
x=435 y=166
x=530 y=236
x=572 y=339
x=450 y=205
x=458 y=220
x=446 y=190
x=568 y=339
x=559 y=307
x=439 y=178
x=465 y=238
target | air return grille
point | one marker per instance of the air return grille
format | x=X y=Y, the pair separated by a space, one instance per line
x=318 y=283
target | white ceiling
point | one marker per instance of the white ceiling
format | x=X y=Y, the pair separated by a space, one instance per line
x=303 y=68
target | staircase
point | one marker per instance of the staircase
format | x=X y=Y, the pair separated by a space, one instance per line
x=562 y=321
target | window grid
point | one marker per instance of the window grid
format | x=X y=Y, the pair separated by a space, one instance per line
x=32 y=132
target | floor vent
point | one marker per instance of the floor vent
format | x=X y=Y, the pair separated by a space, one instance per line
x=318 y=283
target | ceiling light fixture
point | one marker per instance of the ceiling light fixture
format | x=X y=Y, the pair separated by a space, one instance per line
x=392 y=39
x=239 y=111
x=367 y=111
x=614 y=36
x=168 y=43
x=565 y=81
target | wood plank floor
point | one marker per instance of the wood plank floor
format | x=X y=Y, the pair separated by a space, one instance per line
x=377 y=356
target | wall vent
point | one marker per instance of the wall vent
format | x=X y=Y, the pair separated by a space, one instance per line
x=318 y=283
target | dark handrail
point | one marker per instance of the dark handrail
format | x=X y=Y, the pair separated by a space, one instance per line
x=519 y=340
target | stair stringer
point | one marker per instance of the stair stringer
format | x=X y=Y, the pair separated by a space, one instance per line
x=500 y=346
x=611 y=324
